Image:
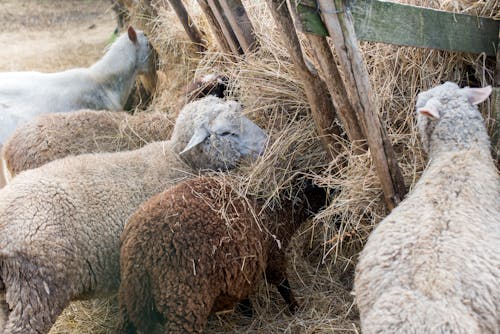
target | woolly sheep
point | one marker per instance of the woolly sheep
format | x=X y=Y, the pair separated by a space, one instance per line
x=60 y=224
x=198 y=248
x=54 y=136
x=432 y=265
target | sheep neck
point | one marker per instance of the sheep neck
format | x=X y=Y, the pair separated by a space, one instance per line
x=116 y=71
x=459 y=130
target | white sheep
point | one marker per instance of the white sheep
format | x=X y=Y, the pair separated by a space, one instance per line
x=104 y=85
x=60 y=224
x=433 y=265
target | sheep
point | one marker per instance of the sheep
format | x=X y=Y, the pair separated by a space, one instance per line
x=432 y=265
x=199 y=248
x=60 y=224
x=54 y=136
x=209 y=84
x=104 y=85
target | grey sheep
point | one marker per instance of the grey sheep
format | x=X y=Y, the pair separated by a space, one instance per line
x=60 y=224
x=198 y=248
x=433 y=265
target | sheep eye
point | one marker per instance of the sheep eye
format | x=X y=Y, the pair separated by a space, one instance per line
x=227 y=133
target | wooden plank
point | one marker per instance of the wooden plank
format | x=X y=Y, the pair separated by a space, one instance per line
x=188 y=24
x=214 y=26
x=495 y=111
x=341 y=29
x=392 y=23
x=225 y=26
x=241 y=24
x=310 y=19
x=322 y=108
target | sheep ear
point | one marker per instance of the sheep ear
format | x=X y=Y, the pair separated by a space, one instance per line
x=132 y=35
x=429 y=110
x=199 y=136
x=477 y=95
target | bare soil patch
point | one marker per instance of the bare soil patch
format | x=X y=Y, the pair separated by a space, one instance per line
x=51 y=36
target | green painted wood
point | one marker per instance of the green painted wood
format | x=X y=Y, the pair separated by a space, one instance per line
x=392 y=23
x=311 y=21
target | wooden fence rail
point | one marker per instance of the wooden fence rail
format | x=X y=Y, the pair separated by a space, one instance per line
x=349 y=97
x=392 y=23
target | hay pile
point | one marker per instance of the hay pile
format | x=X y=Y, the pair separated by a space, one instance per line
x=323 y=254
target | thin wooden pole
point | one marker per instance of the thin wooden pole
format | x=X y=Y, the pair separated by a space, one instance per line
x=226 y=27
x=322 y=108
x=324 y=57
x=336 y=87
x=188 y=24
x=214 y=26
x=495 y=110
x=341 y=29
x=241 y=24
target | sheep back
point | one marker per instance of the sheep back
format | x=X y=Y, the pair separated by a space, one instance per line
x=60 y=226
x=432 y=265
x=54 y=136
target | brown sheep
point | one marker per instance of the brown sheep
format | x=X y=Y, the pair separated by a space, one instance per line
x=199 y=248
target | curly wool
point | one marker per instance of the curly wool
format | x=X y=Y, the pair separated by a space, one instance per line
x=60 y=224
x=198 y=248
x=54 y=136
x=432 y=265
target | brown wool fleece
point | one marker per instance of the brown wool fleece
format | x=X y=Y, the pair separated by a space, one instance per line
x=197 y=248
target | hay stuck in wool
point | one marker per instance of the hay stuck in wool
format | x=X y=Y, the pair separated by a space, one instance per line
x=324 y=252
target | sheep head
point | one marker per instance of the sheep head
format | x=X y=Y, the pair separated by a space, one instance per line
x=447 y=114
x=211 y=133
x=145 y=60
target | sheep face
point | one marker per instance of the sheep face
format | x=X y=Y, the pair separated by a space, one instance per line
x=447 y=106
x=143 y=51
x=220 y=135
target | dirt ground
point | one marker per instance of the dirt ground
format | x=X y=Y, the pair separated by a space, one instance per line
x=51 y=36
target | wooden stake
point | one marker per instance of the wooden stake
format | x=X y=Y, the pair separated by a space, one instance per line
x=341 y=29
x=495 y=111
x=322 y=108
x=241 y=24
x=188 y=24
x=226 y=27
x=214 y=26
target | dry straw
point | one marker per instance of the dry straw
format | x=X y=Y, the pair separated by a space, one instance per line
x=323 y=254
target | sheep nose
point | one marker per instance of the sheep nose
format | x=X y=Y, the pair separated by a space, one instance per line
x=260 y=144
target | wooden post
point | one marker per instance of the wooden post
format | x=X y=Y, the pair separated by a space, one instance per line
x=214 y=26
x=341 y=29
x=495 y=111
x=188 y=24
x=322 y=108
x=335 y=84
x=241 y=24
x=226 y=27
